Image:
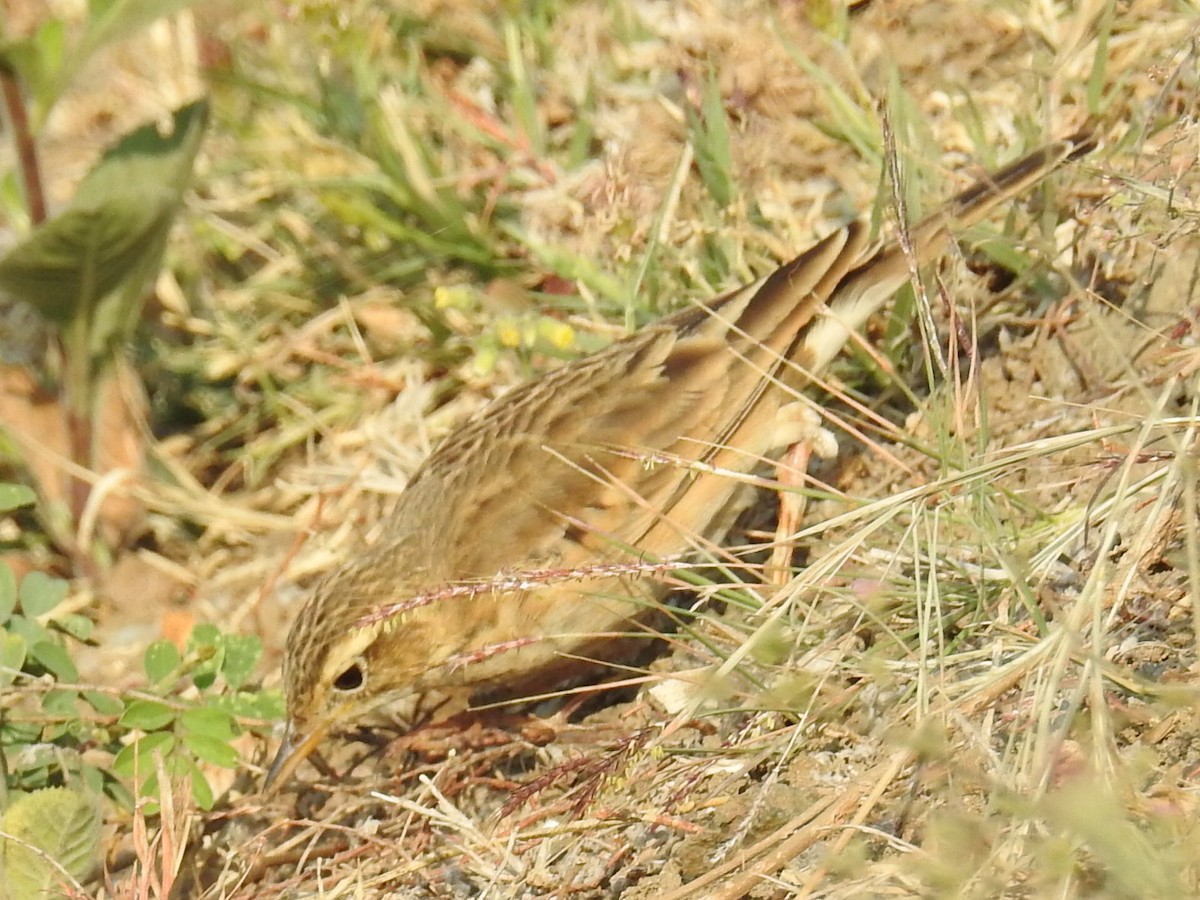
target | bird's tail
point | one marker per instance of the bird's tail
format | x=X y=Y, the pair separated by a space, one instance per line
x=879 y=273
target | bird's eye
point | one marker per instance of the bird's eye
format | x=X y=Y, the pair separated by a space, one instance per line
x=352 y=678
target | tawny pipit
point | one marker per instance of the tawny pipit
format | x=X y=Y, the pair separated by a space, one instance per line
x=619 y=456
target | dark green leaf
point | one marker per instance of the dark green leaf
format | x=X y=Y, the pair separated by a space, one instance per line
x=55 y=659
x=15 y=496
x=241 y=656
x=212 y=750
x=111 y=235
x=40 y=593
x=66 y=266
x=205 y=680
x=160 y=661
x=163 y=160
x=148 y=715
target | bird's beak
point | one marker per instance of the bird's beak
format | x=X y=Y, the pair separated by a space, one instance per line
x=291 y=754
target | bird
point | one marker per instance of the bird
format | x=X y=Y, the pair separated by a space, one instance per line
x=536 y=534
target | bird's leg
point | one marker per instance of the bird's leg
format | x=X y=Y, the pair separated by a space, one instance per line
x=799 y=429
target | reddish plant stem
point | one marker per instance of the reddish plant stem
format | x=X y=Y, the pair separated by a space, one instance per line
x=18 y=117
x=74 y=408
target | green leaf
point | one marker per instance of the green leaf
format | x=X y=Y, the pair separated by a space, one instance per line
x=8 y=592
x=204 y=635
x=12 y=656
x=39 y=60
x=208 y=646
x=65 y=267
x=148 y=715
x=60 y=702
x=210 y=721
x=202 y=791
x=120 y=794
x=136 y=757
x=93 y=779
x=205 y=679
x=111 y=236
x=709 y=132
x=75 y=625
x=21 y=56
x=147 y=790
x=31 y=631
x=25 y=733
x=15 y=496
x=160 y=661
x=1004 y=253
x=105 y=704
x=40 y=593
x=55 y=659
x=50 y=45
x=57 y=732
x=523 y=93
x=212 y=750
x=61 y=823
x=241 y=656
x=266 y=705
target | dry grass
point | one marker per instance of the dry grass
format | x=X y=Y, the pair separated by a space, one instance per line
x=978 y=680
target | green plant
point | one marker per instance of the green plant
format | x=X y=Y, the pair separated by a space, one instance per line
x=68 y=749
x=86 y=270
x=50 y=837
x=191 y=734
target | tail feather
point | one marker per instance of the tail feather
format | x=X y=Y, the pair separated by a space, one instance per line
x=880 y=273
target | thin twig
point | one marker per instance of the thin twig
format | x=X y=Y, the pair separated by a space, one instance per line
x=18 y=117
